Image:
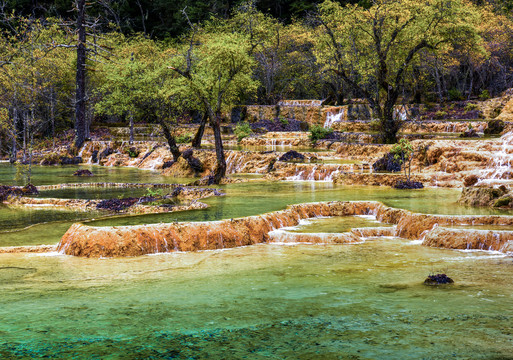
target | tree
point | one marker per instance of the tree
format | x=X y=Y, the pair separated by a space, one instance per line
x=136 y=84
x=373 y=49
x=215 y=68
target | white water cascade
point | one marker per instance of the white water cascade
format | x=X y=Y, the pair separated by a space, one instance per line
x=500 y=170
x=331 y=117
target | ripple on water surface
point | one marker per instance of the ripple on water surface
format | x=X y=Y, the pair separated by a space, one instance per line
x=265 y=301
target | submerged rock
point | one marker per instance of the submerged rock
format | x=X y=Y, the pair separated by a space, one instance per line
x=438 y=279
x=405 y=184
x=83 y=172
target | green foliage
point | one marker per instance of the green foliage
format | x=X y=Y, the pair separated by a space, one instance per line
x=403 y=152
x=455 y=95
x=485 y=95
x=440 y=114
x=133 y=152
x=283 y=120
x=155 y=192
x=471 y=106
x=242 y=130
x=184 y=138
x=318 y=132
x=22 y=173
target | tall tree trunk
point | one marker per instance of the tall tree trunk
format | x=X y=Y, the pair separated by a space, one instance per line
x=24 y=138
x=196 y=142
x=80 y=98
x=14 y=153
x=389 y=125
x=52 y=115
x=220 y=170
x=131 y=139
x=170 y=140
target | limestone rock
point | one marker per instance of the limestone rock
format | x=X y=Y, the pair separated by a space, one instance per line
x=481 y=196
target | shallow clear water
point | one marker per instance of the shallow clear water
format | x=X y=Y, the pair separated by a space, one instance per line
x=336 y=224
x=361 y=301
x=49 y=175
x=244 y=199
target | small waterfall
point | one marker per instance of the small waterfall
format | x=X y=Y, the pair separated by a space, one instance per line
x=500 y=168
x=300 y=102
x=401 y=113
x=331 y=117
x=306 y=172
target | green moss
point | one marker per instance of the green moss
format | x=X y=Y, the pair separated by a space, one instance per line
x=505 y=201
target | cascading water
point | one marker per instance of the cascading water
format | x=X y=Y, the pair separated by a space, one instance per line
x=331 y=117
x=306 y=172
x=500 y=170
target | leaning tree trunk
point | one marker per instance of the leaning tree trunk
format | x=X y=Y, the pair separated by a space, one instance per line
x=80 y=97
x=220 y=170
x=170 y=140
x=196 y=142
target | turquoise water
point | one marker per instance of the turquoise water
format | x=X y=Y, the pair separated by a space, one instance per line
x=34 y=227
x=364 y=301
x=361 y=301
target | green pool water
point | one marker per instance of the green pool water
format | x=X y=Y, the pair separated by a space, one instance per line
x=50 y=175
x=336 y=224
x=363 y=301
x=33 y=226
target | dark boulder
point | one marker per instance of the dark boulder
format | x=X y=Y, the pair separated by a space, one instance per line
x=65 y=160
x=167 y=164
x=94 y=156
x=438 y=279
x=405 y=184
x=193 y=162
x=470 y=180
x=292 y=155
x=83 y=172
x=29 y=189
x=108 y=151
x=387 y=163
x=494 y=127
x=6 y=191
x=116 y=204
x=469 y=133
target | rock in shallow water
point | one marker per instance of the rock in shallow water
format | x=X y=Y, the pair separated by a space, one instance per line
x=438 y=279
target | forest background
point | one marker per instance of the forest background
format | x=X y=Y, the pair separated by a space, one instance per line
x=65 y=65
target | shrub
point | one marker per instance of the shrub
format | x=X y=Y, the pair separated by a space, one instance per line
x=440 y=114
x=317 y=132
x=283 y=120
x=133 y=152
x=242 y=130
x=471 y=106
x=455 y=95
x=184 y=138
x=485 y=95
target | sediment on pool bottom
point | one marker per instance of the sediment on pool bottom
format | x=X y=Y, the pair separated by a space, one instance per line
x=88 y=241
